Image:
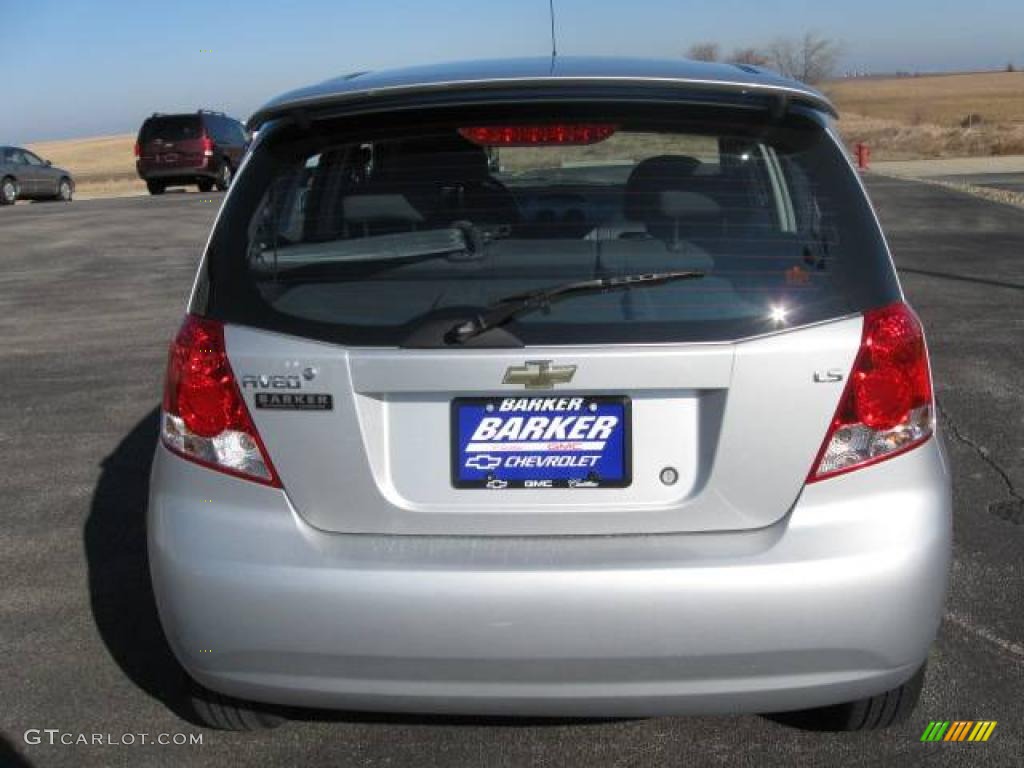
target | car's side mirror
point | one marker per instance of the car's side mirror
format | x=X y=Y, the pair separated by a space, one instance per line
x=47 y=163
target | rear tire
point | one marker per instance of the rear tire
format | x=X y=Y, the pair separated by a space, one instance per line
x=155 y=187
x=881 y=711
x=225 y=713
x=224 y=176
x=8 y=191
x=64 y=190
x=205 y=185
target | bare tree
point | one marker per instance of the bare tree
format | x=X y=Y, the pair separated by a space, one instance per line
x=753 y=56
x=703 y=52
x=811 y=58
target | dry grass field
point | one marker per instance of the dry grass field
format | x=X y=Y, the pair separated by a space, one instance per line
x=103 y=166
x=961 y=115
x=940 y=99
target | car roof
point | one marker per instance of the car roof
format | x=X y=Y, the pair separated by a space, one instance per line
x=197 y=114
x=460 y=77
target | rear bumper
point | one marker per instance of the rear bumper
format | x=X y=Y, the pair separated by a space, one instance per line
x=189 y=173
x=839 y=600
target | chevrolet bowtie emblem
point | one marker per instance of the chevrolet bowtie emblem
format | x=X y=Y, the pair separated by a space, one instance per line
x=539 y=374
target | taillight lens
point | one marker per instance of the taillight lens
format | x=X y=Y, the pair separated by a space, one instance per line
x=205 y=419
x=138 y=149
x=538 y=135
x=887 y=407
x=207 y=144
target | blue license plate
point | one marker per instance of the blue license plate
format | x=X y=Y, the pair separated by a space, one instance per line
x=540 y=442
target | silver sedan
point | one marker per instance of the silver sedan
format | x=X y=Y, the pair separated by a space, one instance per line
x=26 y=176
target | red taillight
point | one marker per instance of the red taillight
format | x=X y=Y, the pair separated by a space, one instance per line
x=207 y=146
x=205 y=419
x=886 y=408
x=138 y=149
x=536 y=135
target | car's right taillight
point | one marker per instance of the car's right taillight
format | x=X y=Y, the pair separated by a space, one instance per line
x=887 y=407
x=204 y=418
x=207 y=146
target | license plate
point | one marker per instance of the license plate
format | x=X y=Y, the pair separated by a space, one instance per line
x=541 y=442
x=168 y=158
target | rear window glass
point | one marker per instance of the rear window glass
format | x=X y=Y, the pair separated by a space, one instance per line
x=390 y=239
x=171 y=129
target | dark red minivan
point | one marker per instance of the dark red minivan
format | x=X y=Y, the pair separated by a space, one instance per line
x=202 y=148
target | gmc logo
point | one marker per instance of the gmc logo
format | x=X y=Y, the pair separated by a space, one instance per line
x=271 y=382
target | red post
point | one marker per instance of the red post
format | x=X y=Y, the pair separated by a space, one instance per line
x=863 y=152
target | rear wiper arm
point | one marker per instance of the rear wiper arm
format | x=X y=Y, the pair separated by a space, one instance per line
x=462 y=241
x=510 y=307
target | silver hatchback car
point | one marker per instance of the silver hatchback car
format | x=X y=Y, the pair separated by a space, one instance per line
x=572 y=389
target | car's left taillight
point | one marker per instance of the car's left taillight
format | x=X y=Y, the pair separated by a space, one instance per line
x=888 y=406
x=204 y=418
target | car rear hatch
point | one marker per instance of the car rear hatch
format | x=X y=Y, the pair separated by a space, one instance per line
x=172 y=142
x=349 y=256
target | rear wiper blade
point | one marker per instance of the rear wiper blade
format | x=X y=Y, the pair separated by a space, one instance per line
x=510 y=307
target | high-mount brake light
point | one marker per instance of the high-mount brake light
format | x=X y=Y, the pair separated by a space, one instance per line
x=204 y=418
x=887 y=406
x=564 y=134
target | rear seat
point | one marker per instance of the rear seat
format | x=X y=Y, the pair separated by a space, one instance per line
x=678 y=198
x=446 y=178
x=632 y=256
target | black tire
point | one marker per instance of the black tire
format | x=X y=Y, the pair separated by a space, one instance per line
x=8 y=191
x=155 y=187
x=225 y=713
x=224 y=176
x=64 y=190
x=205 y=185
x=881 y=711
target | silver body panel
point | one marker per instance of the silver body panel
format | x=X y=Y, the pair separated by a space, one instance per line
x=839 y=600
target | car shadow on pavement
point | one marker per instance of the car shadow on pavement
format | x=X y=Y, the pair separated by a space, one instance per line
x=120 y=590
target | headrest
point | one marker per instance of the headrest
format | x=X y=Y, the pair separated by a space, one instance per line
x=679 y=204
x=650 y=178
x=443 y=158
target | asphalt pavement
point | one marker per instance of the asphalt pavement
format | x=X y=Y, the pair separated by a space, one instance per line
x=91 y=292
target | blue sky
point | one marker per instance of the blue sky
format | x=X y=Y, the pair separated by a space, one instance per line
x=91 y=67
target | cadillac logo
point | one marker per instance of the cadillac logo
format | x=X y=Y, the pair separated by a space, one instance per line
x=539 y=374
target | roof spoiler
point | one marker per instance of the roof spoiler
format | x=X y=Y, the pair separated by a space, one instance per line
x=305 y=108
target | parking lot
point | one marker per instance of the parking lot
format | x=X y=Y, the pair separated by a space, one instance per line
x=90 y=293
